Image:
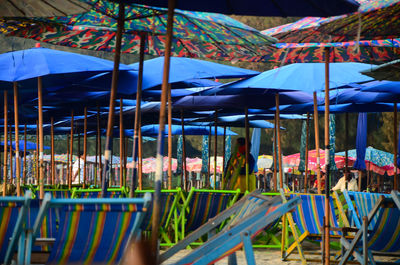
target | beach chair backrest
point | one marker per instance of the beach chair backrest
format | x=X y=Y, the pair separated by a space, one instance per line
x=56 y=193
x=204 y=205
x=95 y=231
x=364 y=202
x=309 y=214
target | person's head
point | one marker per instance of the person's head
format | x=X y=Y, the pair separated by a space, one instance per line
x=241 y=142
x=81 y=154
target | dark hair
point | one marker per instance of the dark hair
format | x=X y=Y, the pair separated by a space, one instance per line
x=241 y=141
x=80 y=153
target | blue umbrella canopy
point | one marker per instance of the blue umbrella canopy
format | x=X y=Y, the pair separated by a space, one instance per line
x=307 y=77
x=376 y=156
x=29 y=145
x=152 y=130
x=392 y=87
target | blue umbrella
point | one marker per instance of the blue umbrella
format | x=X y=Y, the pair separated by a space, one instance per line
x=152 y=130
x=384 y=86
x=29 y=145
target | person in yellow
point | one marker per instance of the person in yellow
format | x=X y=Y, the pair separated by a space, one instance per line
x=235 y=172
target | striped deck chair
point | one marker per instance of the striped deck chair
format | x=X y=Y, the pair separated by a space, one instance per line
x=55 y=193
x=381 y=238
x=91 y=231
x=119 y=192
x=308 y=218
x=13 y=211
x=249 y=216
x=202 y=205
x=172 y=201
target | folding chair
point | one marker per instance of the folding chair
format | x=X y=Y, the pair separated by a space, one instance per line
x=249 y=216
x=172 y=201
x=91 y=231
x=379 y=232
x=115 y=192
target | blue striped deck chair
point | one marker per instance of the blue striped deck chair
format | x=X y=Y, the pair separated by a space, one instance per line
x=55 y=193
x=308 y=218
x=383 y=237
x=202 y=205
x=119 y=192
x=91 y=231
x=248 y=217
x=172 y=201
x=13 y=211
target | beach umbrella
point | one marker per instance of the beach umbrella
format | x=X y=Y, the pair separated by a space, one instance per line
x=152 y=130
x=29 y=145
x=41 y=8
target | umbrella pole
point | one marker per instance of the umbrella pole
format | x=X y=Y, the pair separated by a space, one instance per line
x=316 y=130
x=246 y=113
x=215 y=150
x=37 y=153
x=160 y=140
x=209 y=158
x=79 y=152
x=41 y=139
x=100 y=172
x=395 y=180
x=53 y=169
x=71 y=150
x=16 y=121
x=113 y=95
x=169 y=138
x=278 y=132
x=140 y=154
x=121 y=143
x=24 y=169
x=68 y=162
x=223 y=159
x=183 y=154
x=137 y=125
x=275 y=158
x=346 y=152
x=5 y=143
x=10 y=151
x=327 y=163
x=96 y=161
x=84 y=148
x=307 y=140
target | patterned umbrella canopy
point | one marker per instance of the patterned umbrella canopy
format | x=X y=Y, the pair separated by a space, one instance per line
x=196 y=34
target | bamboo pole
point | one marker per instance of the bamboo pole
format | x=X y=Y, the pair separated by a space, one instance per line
x=5 y=171
x=215 y=150
x=346 y=142
x=246 y=112
x=306 y=165
x=209 y=158
x=185 y=179
x=113 y=95
x=275 y=177
x=37 y=152
x=140 y=154
x=169 y=138
x=395 y=180
x=121 y=143
x=16 y=121
x=327 y=162
x=10 y=151
x=84 y=148
x=316 y=129
x=96 y=156
x=100 y=168
x=71 y=150
x=79 y=152
x=160 y=142
x=278 y=132
x=24 y=169
x=223 y=159
x=53 y=169
x=41 y=139
x=68 y=161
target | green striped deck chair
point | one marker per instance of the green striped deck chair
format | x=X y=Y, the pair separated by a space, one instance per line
x=379 y=230
x=117 y=192
x=202 y=205
x=308 y=219
x=248 y=217
x=91 y=231
x=172 y=201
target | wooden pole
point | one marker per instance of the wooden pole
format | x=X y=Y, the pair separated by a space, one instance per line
x=209 y=158
x=10 y=151
x=275 y=177
x=215 y=150
x=246 y=112
x=140 y=154
x=68 y=161
x=121 y=143
x=37 y=152
x=278 y=132
x=316 y=130
x=113 y=95
x=16 y=121
x=327 y=162
x=306 y=165
x=96 y=155
x=53 y=166
x=24 y=170
x=160 y=143
x=79 y=151
x=84 y=148
x=395 y=180
x=223 y=159
x=41 y=139
x=185 y=180
x=169 y=138
x=346 y=152
x=99 y=145
x=71 y=150
x=5 y=171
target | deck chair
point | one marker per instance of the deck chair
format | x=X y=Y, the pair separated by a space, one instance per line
x=172 y=201
x=91 y=231
x=116 y=192
x=13 y=211
x=308 y=219
x=55 y=193
x=202 y=205
x=248 y=217
x=381 y=238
